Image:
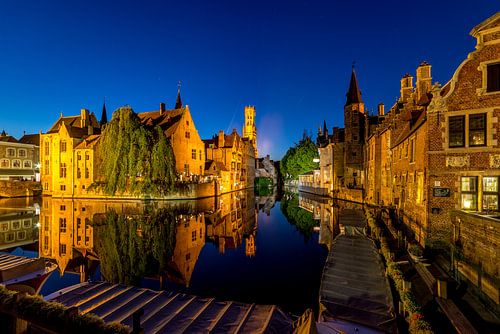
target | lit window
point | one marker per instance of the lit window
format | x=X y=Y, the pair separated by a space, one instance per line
x=27 y=164
x=62 y=169
x=16 y=163
x=47 y=146
x=62 y=225
x=468 y=187
x=21 y=153
x=11 y=152
x=456 y=131
x=5 y=163
x=4 y=227
x=193 y=154
x=477 y=130
x=16 y=225
x=490 y=193
x=493 y=78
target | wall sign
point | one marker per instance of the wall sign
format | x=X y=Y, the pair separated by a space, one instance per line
x=441 y=192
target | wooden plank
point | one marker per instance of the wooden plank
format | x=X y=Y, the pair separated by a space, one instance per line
x=456 y=317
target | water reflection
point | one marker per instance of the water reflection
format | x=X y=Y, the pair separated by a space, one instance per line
x=18 y=223
x=235 y=247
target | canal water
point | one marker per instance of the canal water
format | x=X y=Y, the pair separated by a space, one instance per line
x=239 y=246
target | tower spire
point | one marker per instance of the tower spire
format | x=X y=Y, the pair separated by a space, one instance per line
x=325 y=129
x=104 y=116
x=354 y=94
x=178 y=101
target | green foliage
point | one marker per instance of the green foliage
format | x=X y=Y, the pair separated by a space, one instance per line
x=299 y=159
x=135 y=158
x=302 y=219
x=131 y=247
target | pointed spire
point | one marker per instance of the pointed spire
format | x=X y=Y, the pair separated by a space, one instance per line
x=178 y=101
x=104 y=116
x=354 y=94
x=325 y=129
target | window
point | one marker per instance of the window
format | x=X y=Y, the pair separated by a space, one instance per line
x=21 y=153
x=21 y=235
x=11 y=152
x=62 y=249
x=27 y=164
x=193 y=154
x=62 y=207
x=477 y=130
x=187 y=123
x=5 y=163
x=193 y=236
x=46 y=186
x=16 y=225
x=456 y=131
x=62 y=225
x=187 y=134
x=63 y=187
x=200 y=154
x=186 y=168
x=87 y=156
x=78 y=173
x=46 y=243
x=493 y=78
x=46 y=149
x=46 y=167
x=87 y=173
x=62 y=169
x=16 y=163
x=26 y=223
x=412 y=150
x=78 y=223
x=490 y=193
x=468 y=188
x=4 y=227
x=78 y=156
x=63 y=146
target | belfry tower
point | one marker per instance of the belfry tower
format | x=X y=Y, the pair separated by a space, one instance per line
x=249 y=129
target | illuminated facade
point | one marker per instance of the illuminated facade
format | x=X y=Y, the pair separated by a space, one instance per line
x=19 y=159
x=249 y=129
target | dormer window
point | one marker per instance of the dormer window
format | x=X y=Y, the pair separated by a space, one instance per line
x=493 y=78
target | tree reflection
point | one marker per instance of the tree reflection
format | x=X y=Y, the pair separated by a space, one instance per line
x=303 y=220
x=133 y=246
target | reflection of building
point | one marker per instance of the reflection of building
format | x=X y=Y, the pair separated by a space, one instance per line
x=18 y=229
x=19 y=159
x=234 y=220
x=189 y=241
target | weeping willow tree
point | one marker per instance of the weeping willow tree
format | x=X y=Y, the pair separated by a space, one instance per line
x=135 y=158
x=131 y=247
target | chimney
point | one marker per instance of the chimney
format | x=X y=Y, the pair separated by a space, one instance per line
x=424 y=80
x=162 y=108
x=90 y=130
x=406 y=88
x=84 y=118
x=381 y=110
x=220 y=142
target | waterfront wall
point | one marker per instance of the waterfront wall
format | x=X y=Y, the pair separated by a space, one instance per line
x=19 y=188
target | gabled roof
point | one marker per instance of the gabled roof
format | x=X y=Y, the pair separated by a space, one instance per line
x=89 y=142
x=8 y=139
x=73 y=124
x=167 y=120
x=33 y=139
x=492 y=21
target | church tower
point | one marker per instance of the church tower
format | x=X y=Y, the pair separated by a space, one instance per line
x=354 y=122
x=249 y=129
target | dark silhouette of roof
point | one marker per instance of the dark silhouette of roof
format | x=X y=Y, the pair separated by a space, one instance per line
x=104 y=116
x=354 y=94
x=178 y=101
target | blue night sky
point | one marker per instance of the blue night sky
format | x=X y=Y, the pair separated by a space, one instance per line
x=291 y=59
